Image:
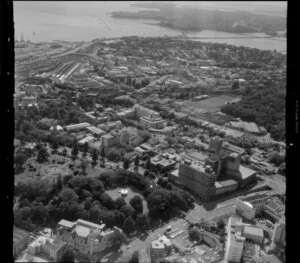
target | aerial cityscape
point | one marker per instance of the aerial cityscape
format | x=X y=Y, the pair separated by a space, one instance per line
x=150 y=132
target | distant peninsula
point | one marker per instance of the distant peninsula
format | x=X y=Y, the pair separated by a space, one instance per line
x=193 y=19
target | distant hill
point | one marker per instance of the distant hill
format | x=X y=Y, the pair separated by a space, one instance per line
x=191 y=18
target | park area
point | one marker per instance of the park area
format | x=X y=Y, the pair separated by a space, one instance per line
x=33 y=170
x=56 y=165
x=130 y=193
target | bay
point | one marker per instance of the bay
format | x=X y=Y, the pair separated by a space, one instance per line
x=85 y=21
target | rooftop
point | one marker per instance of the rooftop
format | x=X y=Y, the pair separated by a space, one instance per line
x=107 y=136
x=197 y=155
x=66 y=223
x=246 y=172
x=82 y=231
x=19 y=234
x=253 y=231
x=228 y=182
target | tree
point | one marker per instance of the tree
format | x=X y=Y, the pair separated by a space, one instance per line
x=137 y=161
x=94 y=158
x=220 y=224
x=129 y=225
x=119 y=218
x=68 y=195
x=102 y=153
x=119 y=202
x=83 y=166
x=42 y=156
x=107 y=201
x=54 y=144
x=148 y=163
x=67 y=256
x=126 y=164
x=95 y=213
x=20 y=159
x=195 y=235
x=134 y=258
x=59 y=184
x=84 y=155
x=128 y=210
x=64 y=152
x=75 y=149
x=85 y=147
x=276 y=158
x=142 y=221
x=137 y=203
x=114 y=155
x=39 y=214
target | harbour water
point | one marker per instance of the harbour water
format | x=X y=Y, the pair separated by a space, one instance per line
x=79 y=21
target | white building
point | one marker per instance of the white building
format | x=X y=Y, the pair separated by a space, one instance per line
x=253 y=233
x=251 y=206
x=235 y=241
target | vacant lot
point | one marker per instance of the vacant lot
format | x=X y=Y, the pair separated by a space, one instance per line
x=114 y=194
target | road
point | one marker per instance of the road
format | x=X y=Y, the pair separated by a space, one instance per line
x=137 y=244
x=73 y=50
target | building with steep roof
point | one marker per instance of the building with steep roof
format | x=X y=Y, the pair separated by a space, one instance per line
x=86 y=236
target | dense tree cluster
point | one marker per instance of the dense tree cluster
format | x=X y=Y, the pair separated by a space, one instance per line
x=265 y=106
x=84 y=197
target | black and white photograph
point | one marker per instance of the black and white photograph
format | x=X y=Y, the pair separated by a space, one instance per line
x=150 y=131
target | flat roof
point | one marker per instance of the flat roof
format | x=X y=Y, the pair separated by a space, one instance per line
x=66 y=223
x=218 y=185
x=107 y=136
x=197 y=155
x=90 y=224
x=228 y=182
x=84 y=124
x=87 y=139
x=95 y=129
x=253 y=231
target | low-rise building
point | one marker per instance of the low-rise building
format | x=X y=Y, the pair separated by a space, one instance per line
x=108 y=140
x=85 y=236
x=78 y=126
x=95 y=130
x=267 y=259
x=273 y=209
x=251 y=206
x=87 y=139
x=160 y=248
x=29 y=101
x=51 y=248
x=253 y=233
x=163 y=163
x=21 y=239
